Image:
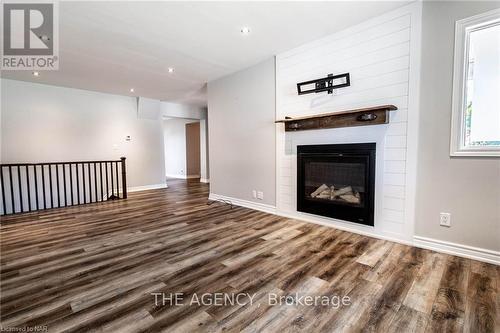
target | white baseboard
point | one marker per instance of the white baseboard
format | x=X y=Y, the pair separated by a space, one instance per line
x=244 y=203
x=204 y=180
x=146 y=187
x=476 y=253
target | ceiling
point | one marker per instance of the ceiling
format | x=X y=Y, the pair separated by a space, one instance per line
x=114 y=46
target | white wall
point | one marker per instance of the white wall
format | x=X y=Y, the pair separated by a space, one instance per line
x=42 y=123
x=178 y=110
x=175 y=146
x=381 y=56
x=148 y=108
x=468 y=188
x=241 y=111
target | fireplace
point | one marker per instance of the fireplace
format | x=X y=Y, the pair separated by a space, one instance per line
x=337 y=181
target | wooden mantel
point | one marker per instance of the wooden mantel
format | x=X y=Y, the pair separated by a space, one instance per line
x=358 y=117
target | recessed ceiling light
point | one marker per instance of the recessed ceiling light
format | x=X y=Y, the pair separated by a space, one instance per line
x=170 y=69
x=245 y=31
x=36 y=74
x=131 y=89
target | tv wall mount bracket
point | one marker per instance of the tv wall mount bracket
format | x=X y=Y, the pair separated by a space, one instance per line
x=328 y=84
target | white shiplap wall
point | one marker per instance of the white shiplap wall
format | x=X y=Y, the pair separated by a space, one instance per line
x=382 y=57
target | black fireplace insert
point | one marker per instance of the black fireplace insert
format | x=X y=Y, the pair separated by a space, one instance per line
x=337 y=181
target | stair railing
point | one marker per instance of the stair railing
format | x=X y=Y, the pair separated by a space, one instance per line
x=27 y=187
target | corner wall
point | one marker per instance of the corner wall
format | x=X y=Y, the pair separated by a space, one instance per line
x=241 y=114
x=420 y=179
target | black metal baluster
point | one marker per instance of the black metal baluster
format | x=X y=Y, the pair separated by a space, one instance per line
x=43 y=187
x=64 y=185
x=107 y=189
x=90 y=182
x=28 y=186
x=50 y=187
x=20 y=188
x=95 y=182
x=100 y=173
x=77 y=183
x=124 y=178
x=112 y=181
x=54 y=186
x=117 y=185
x=71 y=183
x=3 y=190
x=36 y=186
x=11 y=190
x=58 y=191
x=83 y=183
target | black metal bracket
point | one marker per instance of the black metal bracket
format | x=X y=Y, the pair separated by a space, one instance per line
x=324 y=84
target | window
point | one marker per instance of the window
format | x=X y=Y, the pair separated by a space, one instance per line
x=475 y=126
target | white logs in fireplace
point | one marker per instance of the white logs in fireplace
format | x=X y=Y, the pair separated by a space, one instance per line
x=346 y=194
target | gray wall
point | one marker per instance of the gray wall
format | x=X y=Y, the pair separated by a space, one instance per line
x=241 y=109
x=42 y=123
x=468 y=188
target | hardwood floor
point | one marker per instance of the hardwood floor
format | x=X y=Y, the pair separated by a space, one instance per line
x=95 y=267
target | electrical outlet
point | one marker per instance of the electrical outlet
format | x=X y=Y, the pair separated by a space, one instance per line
x=254 y=194
x=445 y=219
x=260 y=195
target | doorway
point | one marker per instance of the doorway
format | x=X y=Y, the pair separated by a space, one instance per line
x=186 y=148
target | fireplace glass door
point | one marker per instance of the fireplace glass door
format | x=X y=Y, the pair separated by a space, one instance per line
x=337 y=181
x=334 y=179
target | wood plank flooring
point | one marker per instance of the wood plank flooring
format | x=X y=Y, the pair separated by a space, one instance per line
x=95 y=267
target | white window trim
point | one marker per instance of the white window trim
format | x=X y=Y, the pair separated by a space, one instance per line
x=462 y=30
